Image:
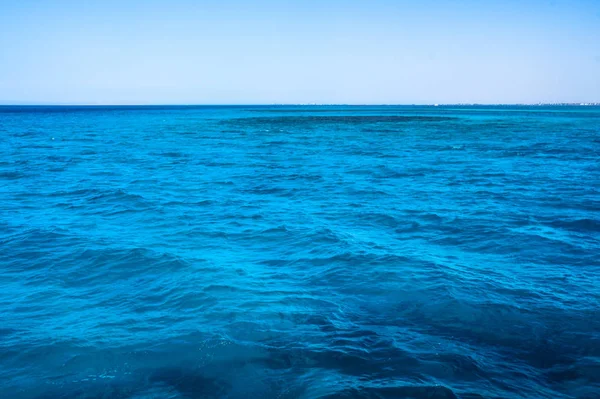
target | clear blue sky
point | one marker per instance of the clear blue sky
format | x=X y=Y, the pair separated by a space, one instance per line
x=326 y=51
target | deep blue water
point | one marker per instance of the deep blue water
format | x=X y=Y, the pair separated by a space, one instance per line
x=299 y=252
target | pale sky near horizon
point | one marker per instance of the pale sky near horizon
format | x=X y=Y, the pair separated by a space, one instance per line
x=328 y=51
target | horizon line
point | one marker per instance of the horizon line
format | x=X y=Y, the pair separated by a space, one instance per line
x=32 y=104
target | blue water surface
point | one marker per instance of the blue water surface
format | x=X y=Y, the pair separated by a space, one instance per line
x=299 y=252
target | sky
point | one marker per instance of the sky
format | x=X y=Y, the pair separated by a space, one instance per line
x=306 y=51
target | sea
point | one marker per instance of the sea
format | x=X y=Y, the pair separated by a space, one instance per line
x=329 y=252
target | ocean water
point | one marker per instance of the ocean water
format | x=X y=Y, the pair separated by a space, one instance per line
x=299 y=252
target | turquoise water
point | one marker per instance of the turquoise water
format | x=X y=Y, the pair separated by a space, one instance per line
x=299 y=252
